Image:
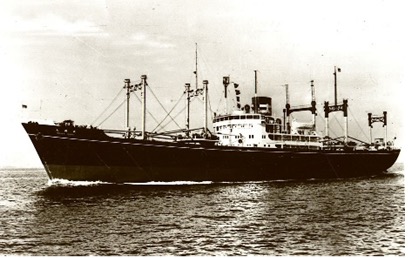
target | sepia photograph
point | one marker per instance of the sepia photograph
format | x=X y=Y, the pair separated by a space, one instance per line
x=202 y=128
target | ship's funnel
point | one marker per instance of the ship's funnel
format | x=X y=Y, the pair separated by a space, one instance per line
x=262 y=105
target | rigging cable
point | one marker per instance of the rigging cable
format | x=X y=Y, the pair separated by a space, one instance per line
x=117 y=95
x=175 y=116
x=113 y=112
x=168 y=114
x=359 y=126
x=147 y=111
x=331 y=129
x=209 y=105
x=219 y=103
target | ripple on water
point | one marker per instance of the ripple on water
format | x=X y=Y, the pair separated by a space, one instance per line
x=362 y=216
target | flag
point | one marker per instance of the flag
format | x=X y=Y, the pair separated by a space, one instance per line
x=24 y=106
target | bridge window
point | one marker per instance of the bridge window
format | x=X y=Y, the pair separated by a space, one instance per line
x=286 y=137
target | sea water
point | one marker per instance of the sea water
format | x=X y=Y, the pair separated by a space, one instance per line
x=361 y=216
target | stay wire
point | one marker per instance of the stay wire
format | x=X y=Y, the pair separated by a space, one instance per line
x=100 y=115
x=168 y=114
x=113 y=112
x=331 y=129
x=175 y=116
x=358 y=124
x=137 y=97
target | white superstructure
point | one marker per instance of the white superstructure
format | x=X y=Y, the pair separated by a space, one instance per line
x=257 y=130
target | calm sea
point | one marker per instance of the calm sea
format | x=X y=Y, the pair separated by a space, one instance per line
x=363 y=216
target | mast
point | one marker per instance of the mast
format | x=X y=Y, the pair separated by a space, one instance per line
x=313 y=104
x=333 y=108
x=340 y=107
x=127 y=86
x=226 y=81
x=372 y=119
x=345 y=115
x=143 y=93
x=205 y=92
x=187 y=85
x=256 y=91
x=336 y=69
x=385 y=128
x=371 y=127
x=196 y=70
x=286 y=113
x=287 y=92
x=326 y=118
x=256 y=82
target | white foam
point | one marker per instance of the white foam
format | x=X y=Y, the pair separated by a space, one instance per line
x=173 y=183
x=64 y=182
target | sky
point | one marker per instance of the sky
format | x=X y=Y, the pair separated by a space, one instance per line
x=68 y=60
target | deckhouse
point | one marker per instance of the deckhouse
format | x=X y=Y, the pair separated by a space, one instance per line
x=261 y=129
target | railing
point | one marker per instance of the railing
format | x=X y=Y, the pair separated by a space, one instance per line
x=294 y=138
x=233 y=117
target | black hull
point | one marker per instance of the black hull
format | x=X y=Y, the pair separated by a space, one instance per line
x=93 y=156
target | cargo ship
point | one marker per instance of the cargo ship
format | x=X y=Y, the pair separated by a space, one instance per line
x=248 y=143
